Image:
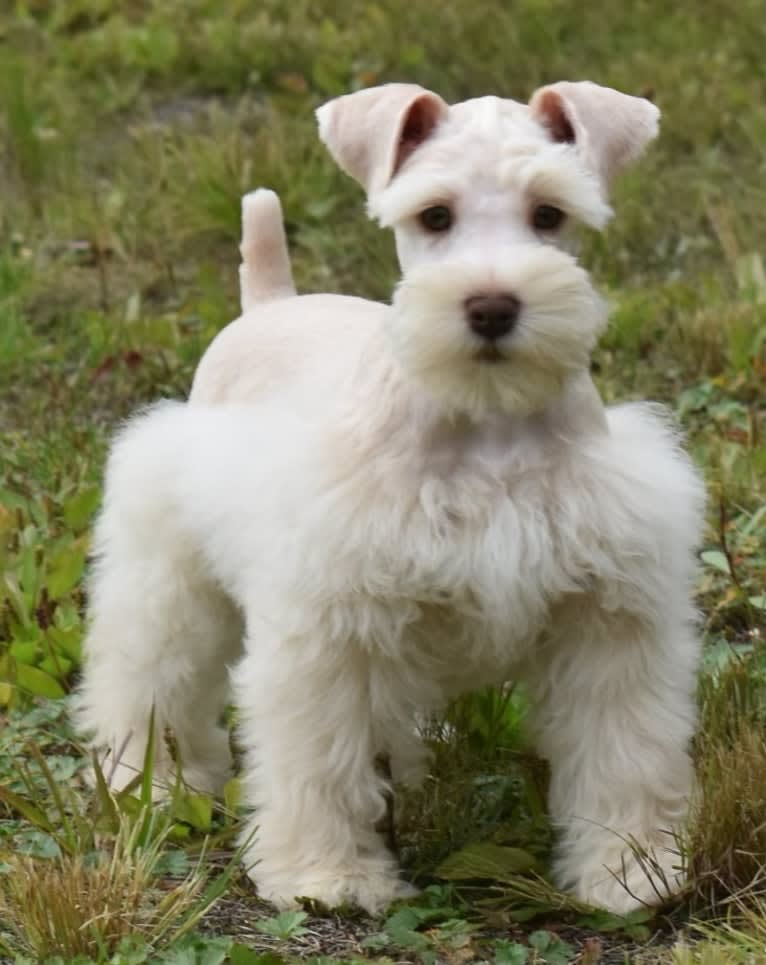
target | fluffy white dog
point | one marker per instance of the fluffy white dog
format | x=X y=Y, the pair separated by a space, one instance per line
x=365 y=510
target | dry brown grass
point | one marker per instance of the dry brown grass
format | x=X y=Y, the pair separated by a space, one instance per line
x=86 y=904
x=727 y=836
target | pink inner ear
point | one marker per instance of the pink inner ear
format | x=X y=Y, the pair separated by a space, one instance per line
x=420 y=121
x=551 y=108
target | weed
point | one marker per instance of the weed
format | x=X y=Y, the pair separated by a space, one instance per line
x=727 y=836
x=286 y=925
x=85 y=904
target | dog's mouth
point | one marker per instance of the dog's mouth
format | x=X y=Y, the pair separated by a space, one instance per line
x=489 y=353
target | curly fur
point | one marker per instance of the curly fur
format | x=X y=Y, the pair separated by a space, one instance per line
x=355 y=519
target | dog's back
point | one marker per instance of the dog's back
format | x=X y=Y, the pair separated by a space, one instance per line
x=281 y=337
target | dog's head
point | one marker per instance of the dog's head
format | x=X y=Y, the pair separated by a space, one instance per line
x=492 y=312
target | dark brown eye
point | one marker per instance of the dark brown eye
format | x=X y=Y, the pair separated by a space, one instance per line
x=437 y=218
x=547 y=218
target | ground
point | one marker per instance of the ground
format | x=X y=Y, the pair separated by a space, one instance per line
x=128 y=131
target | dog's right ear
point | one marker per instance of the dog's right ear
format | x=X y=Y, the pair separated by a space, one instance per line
x=372 y=132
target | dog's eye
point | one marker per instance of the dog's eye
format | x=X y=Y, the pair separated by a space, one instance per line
x=437 y=218
x=546 y=217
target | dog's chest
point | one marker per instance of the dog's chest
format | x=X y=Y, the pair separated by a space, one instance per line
x=477 y=551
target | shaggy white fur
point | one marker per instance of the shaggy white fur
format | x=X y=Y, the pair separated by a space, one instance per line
x=359 y=515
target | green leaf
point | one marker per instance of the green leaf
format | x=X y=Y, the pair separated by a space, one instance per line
x=30 y=811
x=65 y=569
x=608 y=921
x=232 y=793
x=63 y=766
x=38 y=683
x=38 y=844
x=214 y=952
x=455 y=932
x=510 y=953
x=173 y=862
x=401 y=928
x=759 y=602
x=376 y=941
x=147 y=773
x=716 y=560
x=67 y=641
x=80 y=507
x=131 y=950
x=108 y=812
x=408 y=938
x=286 y=925
x=17 y=600
x=179 y=833
x=181 y=956
x=24 y=651
x=413 y=916
x=522 y=913
x=194 y=809
x=487 y=860
x=551 y=947
x=57 y=667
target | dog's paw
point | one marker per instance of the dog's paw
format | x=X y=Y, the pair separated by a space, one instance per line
x=621 y=880
x=373 y=891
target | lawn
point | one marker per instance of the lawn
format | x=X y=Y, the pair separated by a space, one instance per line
x=128 y=131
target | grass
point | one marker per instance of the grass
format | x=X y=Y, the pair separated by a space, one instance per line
x=85 y=905
x=128 y=131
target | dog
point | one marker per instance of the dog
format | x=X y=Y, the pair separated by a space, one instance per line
x=365 y=510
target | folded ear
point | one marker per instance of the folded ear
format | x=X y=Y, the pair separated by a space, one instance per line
x=372 y=132
x=608 y=128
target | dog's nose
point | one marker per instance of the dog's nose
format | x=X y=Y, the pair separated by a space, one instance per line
x=492 y=316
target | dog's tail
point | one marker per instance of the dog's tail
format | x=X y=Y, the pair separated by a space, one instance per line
x=265 y=271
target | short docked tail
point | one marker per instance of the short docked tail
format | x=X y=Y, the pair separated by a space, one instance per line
x=265 y=271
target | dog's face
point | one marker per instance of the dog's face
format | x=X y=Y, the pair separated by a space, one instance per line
x=493 y=312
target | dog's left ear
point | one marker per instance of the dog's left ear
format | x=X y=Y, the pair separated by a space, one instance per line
x=608 y=128
x=372 y=132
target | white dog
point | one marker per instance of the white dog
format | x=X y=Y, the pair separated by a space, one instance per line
x=365 y=510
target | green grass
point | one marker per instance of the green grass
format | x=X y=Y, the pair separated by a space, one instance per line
x=128 y=131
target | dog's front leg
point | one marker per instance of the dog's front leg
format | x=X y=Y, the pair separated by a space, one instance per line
x=311 y=777
x=615 y=709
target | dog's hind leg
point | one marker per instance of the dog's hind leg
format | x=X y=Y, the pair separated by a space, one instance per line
x=161 y=635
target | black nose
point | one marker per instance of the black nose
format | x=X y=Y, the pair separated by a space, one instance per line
x=492 y=316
